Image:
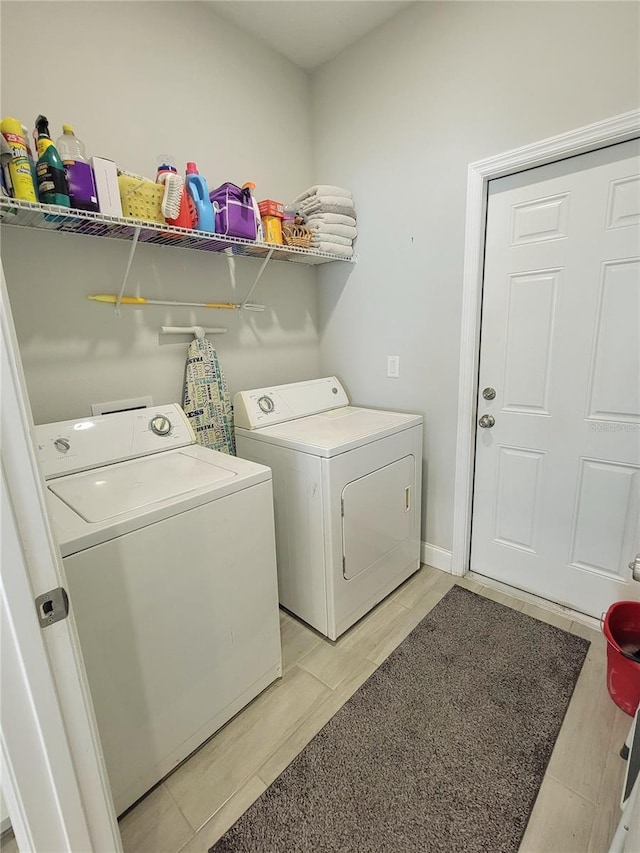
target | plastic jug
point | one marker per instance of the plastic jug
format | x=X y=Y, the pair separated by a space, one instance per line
x=199 y=192
x=82 y=185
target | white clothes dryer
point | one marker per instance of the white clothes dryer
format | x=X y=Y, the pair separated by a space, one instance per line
x=169 y=554
x=347 y=491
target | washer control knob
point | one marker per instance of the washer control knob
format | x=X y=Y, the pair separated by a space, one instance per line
x=266 y=404
x=62 y=444
x=160 y=425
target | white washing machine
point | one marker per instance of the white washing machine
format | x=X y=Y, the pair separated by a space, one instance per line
x=169 y=553
x=347 y=490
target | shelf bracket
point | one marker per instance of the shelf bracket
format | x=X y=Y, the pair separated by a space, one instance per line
x=132 y=251
x=260 y=271
x=231 y=261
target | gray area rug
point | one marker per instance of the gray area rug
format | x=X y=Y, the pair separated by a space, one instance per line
x=443 y=748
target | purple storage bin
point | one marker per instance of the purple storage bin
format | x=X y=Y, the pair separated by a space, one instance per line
x=235 y=216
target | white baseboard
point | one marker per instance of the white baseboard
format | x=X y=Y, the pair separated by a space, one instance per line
x=434 y=556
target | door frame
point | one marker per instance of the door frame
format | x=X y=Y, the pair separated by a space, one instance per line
x=53 y=775
x=619 y=128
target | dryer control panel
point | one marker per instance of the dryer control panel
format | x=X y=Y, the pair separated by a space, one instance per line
x=67 y=447
x=266 y=406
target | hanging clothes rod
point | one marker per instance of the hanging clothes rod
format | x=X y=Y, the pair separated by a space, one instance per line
x=140 y=300
x=198 y=331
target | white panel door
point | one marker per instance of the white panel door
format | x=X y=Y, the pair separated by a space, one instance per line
x=556 y=507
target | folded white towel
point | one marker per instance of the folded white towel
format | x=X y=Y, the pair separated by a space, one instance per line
x=327 y=204
x=335 y=249
x=331 y=218
x=331 y=238
x=327 y=228
x=323 y=189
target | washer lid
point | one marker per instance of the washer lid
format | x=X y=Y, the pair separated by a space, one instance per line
x=104 y=493
x=94 y=506
x=334 y=432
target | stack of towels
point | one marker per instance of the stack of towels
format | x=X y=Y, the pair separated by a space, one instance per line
x=330 y=214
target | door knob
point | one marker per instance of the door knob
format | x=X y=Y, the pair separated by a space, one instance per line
x=634 y=565
x=487 y=421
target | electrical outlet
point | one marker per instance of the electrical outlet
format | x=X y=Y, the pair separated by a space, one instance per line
x=393 y=366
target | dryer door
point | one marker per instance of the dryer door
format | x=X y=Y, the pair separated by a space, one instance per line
x=377 y=515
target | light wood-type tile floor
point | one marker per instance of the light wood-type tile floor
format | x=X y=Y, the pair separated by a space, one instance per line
x=578 y=805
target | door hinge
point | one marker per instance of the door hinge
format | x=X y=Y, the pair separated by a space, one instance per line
x=52 y=606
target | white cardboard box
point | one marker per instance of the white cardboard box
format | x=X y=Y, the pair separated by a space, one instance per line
x=106 y=177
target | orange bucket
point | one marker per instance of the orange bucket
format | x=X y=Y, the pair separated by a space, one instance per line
x=622 y=629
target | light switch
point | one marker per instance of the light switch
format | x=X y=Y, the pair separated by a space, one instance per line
x=393 y=366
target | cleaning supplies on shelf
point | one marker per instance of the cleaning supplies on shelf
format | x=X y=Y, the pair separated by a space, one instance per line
x=251 y=188
x=15 y=161
x=177 y=206
x=272 y=213
x=105 y=173
x=53 y=187
x=5 y=159
x=32 y=160
x=289 y=214
x=82 y=185
x=141 y=198
x=235 y=215
x=199 y=192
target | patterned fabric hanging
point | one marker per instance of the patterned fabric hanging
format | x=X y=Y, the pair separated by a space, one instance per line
x=207 y=402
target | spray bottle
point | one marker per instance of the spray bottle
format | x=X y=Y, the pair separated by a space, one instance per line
x=17 y=169
x=53 y=187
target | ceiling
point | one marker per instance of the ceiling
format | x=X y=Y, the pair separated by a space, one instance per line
x=308 y=32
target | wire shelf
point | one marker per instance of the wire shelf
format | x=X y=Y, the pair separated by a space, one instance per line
x=50 y=217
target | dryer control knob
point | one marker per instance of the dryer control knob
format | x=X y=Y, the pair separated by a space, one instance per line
x=266 y=404
x=160 y=425
x=62 y=444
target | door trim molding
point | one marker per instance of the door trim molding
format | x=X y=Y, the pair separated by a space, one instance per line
x=609 y=131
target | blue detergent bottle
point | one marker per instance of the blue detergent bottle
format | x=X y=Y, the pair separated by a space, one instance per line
x=199 y=192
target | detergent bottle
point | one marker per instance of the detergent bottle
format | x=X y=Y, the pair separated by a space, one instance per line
x=177 y=206
x=199 y=192
x=52 y=178
x=17 y=168
x=82 y=184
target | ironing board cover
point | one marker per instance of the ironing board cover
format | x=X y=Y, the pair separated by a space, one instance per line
x=207 y=402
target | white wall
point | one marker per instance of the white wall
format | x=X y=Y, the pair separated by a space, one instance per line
x=397 y=118
x=136 y=80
